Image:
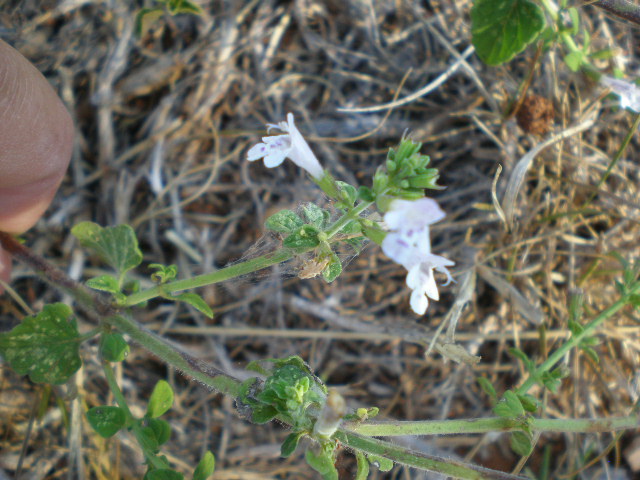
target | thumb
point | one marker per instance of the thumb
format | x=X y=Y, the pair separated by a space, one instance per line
x=36 y=137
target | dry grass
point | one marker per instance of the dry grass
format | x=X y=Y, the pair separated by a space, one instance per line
x=163 y=124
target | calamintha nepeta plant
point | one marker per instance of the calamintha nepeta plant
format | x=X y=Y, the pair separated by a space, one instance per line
x=45 y=346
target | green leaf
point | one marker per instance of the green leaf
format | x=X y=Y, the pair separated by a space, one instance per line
x=529 y=403
x=113 y=347
x=315 y=215
x=117 y=246
x=161 y=399
x=592 y=354
x=164 y=474
x=323 y=464
x=348 y=193
x=333 y=270
x=146 y=438
x=290 y=444
x=106 y=421
x=205 y=467
x=383 y=464
x=304 y=238
x=366 y=194
x=45 y=346
x=521 y=443
x=285 y=221
x=574 y=60
x=503 y=28
x=509 y=406
x=104 y=283
x=263 y=414
x=363 y=466
x=373 y=231
x=487 y=388
x=145 y=18
x=196 y=301
x=163 y=273
x=161 y=429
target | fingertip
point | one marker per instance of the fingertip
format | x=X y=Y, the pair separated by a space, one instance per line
x=36 y=141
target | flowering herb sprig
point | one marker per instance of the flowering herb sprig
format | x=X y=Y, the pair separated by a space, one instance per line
x=397 y=190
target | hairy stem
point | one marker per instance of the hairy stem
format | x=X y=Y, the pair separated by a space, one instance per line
x=495 y=424
x=575 y=340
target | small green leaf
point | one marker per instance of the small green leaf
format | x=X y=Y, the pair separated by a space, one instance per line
x=574 y=60
x=146 y=438
x=529 y=403
x=161 y=399
x=45 y=346
x=161 y=429
x=290 y=444
x=113 y=347
x=383 y=464
x=304 y=238
x=196 y=301
x=323 y=464
x=263 y=414
x=516 y=352
x=104 y=283
x=521 y=443
x=487 y=388
x=592 y=354
x=366 y=194
x=348 y=193
x=106 y=421
x=205 y=467
x=117 y=246
x=363 y=466
x=285 y=221
x=184 y=6
x=373 y=231
x=509 y=406
x=163 y=273
x=164 y=474
x=315 y=215
x=503 y=28
x=333 y=270
x=145 y=18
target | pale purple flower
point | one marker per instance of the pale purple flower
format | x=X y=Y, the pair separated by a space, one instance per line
x=628 y=92
x=276 y=148
x=408 y=244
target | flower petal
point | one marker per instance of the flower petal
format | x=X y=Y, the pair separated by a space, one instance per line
x=419 y=302
x=257 y=151
x=301 y=154
x=274 y=158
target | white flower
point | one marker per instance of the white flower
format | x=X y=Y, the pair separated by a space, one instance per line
x=408 y=244
x=292 y=145
x=628 y=92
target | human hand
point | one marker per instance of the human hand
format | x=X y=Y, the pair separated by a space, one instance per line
x=36 y=137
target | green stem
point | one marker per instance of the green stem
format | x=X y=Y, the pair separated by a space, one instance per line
x=227 y=273
x=405 y=456
x=346 y=218
x=131 y=420
x=623 y=146
x=117 y=393
x=575 y=340
x=174 y=356
x=238 y=269
x=495 y=424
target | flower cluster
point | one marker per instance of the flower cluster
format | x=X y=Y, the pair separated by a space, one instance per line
x=628 y=92
x=408 y=244
x=291 y=145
